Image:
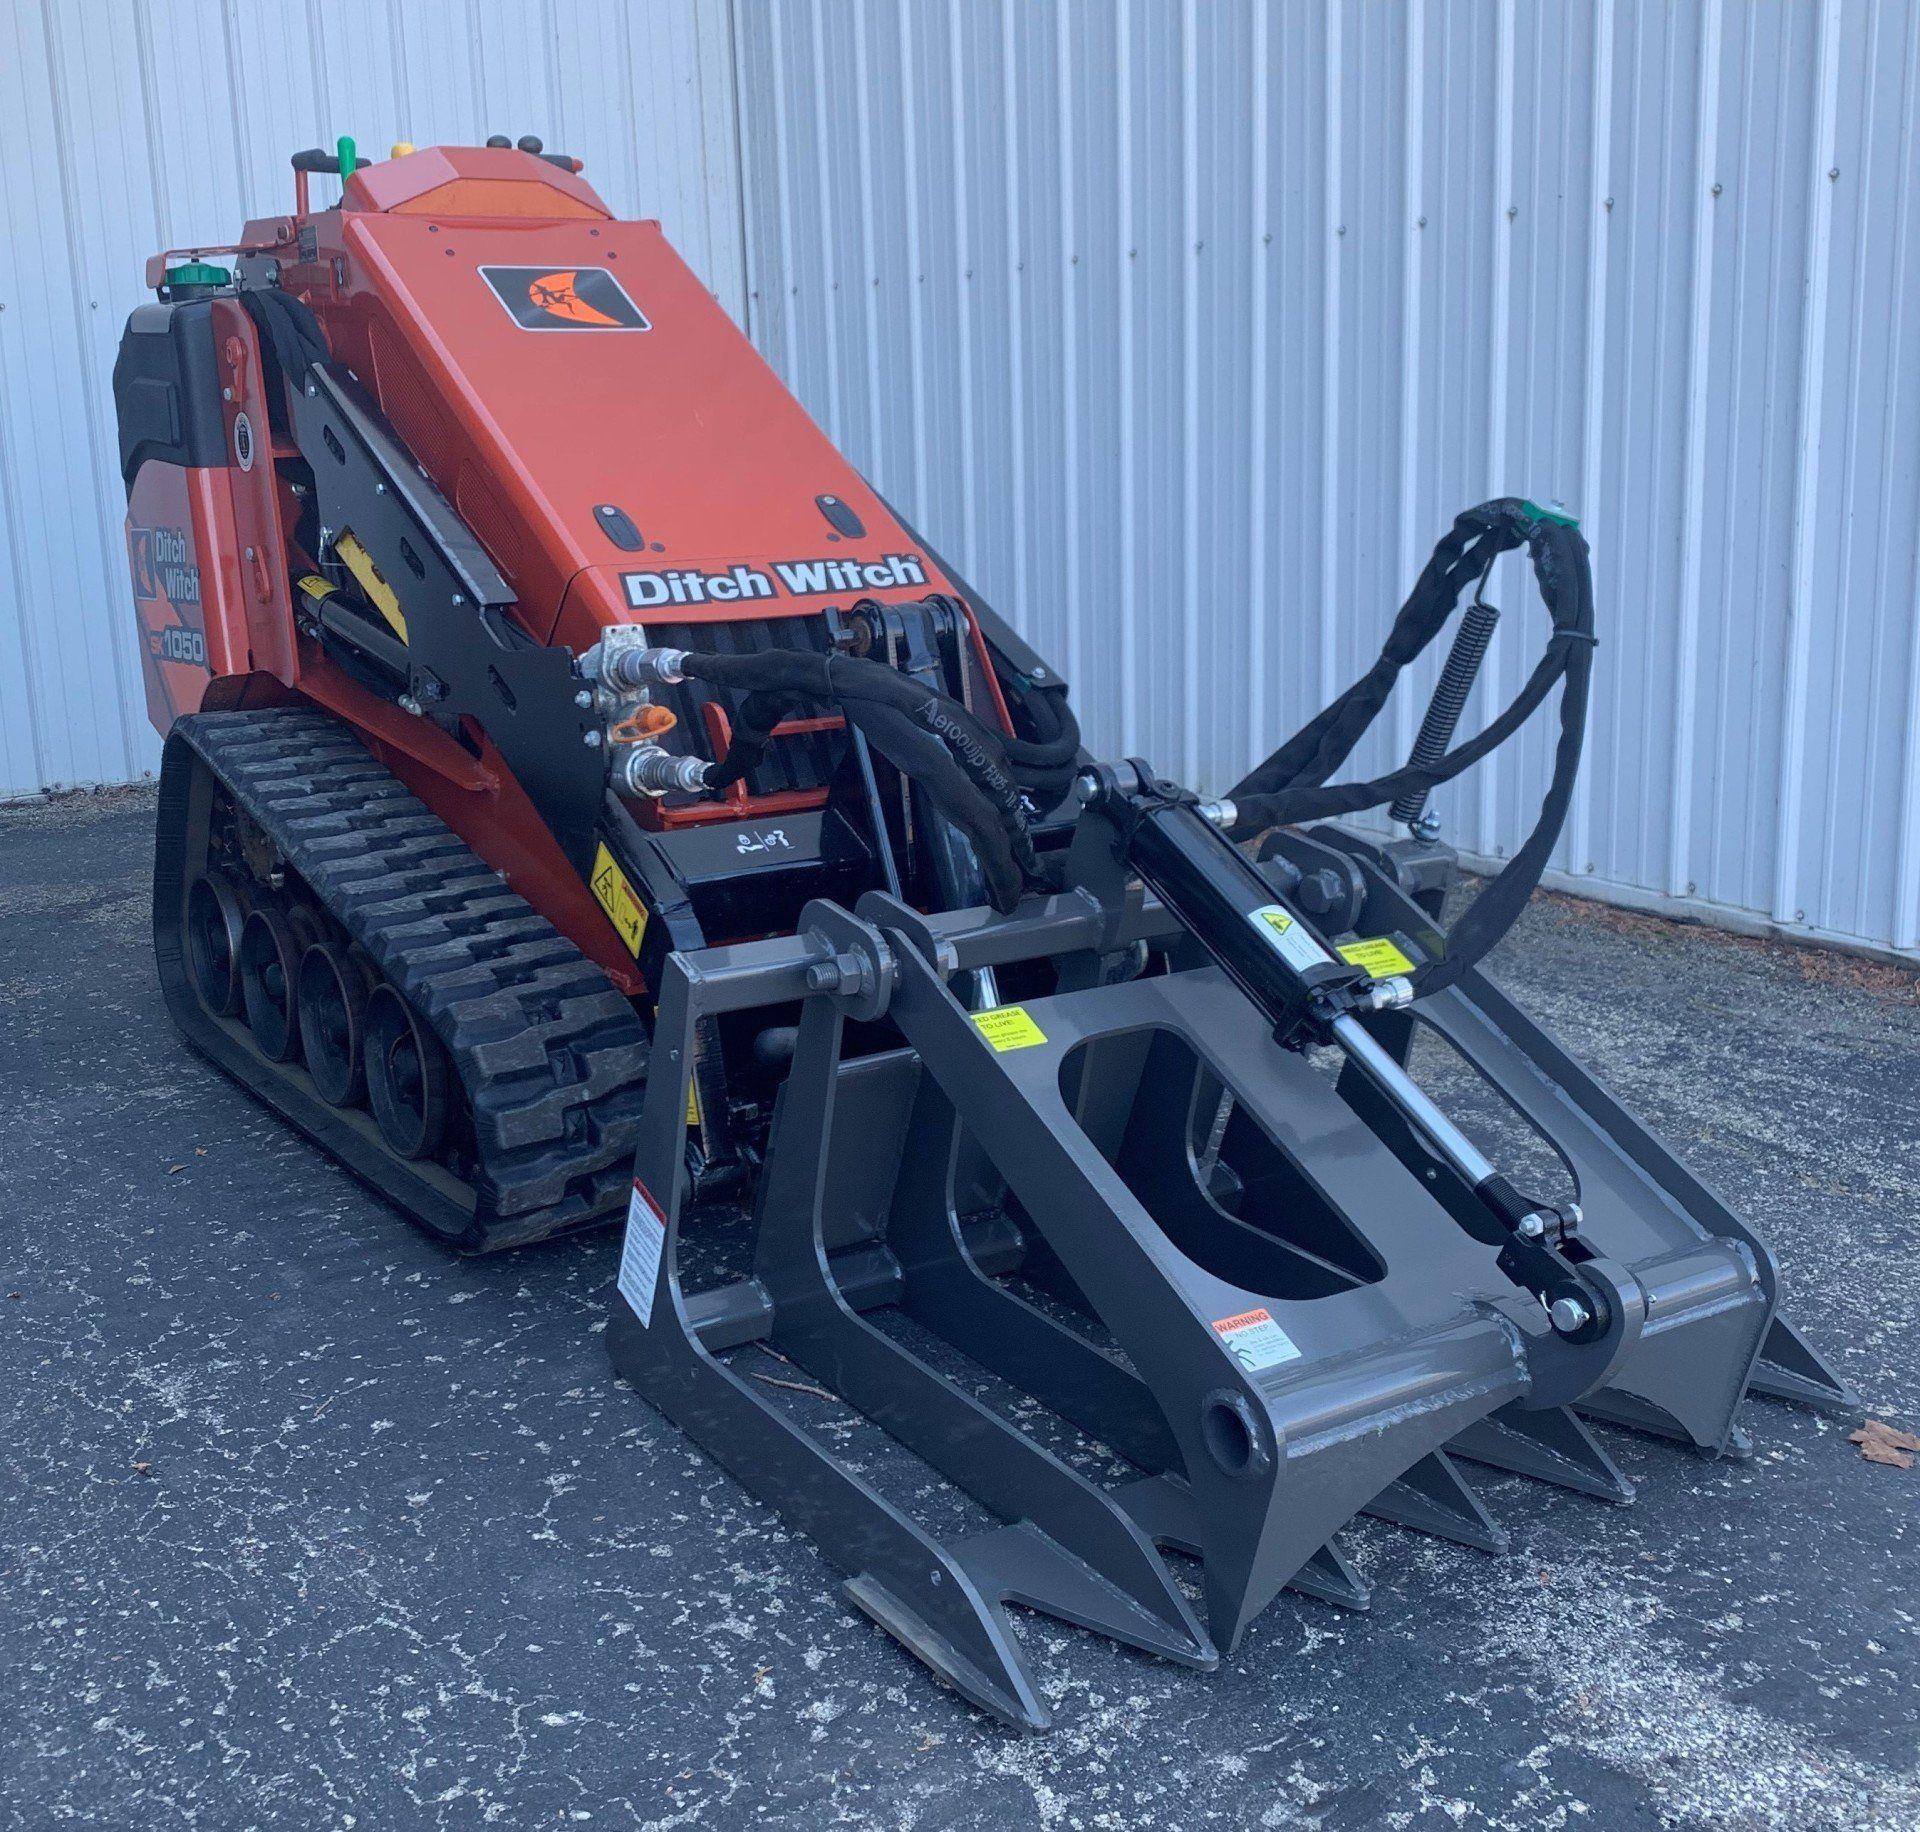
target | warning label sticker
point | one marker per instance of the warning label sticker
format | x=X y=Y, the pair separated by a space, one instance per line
x=640 y=1252
x=1288 y=937
x=619 y=899
x=1256 y=1340
x=1378 y=957
x=1007 y=1027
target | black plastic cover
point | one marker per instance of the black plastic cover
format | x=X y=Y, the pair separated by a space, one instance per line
x=166 y=388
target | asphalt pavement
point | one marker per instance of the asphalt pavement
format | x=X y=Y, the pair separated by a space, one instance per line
x=305 y=1522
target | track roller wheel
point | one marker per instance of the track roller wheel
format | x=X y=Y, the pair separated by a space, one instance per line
x=409 y=1081
x=215 y=917
x=332 y=1006
x=269 y=963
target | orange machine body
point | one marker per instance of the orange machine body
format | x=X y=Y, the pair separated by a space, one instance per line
x=591 y=412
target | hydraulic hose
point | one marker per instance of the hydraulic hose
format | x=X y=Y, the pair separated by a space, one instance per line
x=1291 y=786
x=928 y=737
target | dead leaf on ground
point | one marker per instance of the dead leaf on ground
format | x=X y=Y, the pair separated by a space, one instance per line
x=1883 y=1443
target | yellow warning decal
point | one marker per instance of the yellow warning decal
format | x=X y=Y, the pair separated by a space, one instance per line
x=1377 y=956
x=693 y=1105
x=1007 y=1027
x=372 y=581
x=1288 y=937
x=619 y=899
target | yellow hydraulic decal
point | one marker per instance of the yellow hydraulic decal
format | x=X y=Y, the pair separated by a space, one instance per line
x=360 y=563
x=619 y=899
x=1007 y=1027
x=1377 y=956
x=693 y=1105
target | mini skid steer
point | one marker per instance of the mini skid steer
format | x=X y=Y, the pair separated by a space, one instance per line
x=586 y=801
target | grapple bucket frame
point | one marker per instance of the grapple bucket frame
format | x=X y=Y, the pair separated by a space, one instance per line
x=1265 y=1375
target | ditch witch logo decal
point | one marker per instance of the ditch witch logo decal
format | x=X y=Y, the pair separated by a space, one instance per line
x=564 y=299
x=789 y=578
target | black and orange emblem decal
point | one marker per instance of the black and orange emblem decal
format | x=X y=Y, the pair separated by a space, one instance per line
x=564 y=299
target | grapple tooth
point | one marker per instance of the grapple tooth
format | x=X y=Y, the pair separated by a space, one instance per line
x=1433 y=1497
x=965 y=1639
x=1550 y=1445
x=1788 y=1368
x=1066 y=1547
x=1614 y=1406
x=1330 y=1577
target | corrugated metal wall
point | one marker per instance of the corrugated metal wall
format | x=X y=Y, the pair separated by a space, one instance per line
x=1185 y=328
x=134 y=125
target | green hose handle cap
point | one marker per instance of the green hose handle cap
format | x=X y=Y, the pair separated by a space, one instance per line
x=348 y=160
x=1539 y=514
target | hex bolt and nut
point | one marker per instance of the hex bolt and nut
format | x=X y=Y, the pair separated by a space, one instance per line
x=1532 y=1226
x=840 y=974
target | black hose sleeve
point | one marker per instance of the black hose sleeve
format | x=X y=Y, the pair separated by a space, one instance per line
x=758 y=714
x=851 y=682
x=1057 y=740
x=921 y=756
x=1291 y=786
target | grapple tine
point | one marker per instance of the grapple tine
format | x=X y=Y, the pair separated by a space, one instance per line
x=1549 y=1445
x=1615 y=1406
x=1068 y=1549
x=962 y=1638
x=1788 y=1368
x=1329 y=1577
x=1433 y=1497
x=921 y=1591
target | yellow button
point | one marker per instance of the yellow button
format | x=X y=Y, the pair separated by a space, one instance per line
x=401 y=148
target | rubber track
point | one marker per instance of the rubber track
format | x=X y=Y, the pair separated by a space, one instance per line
x=551 y=1055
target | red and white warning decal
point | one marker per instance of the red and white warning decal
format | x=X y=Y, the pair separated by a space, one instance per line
x=640 y=1252
x=1256 y=1340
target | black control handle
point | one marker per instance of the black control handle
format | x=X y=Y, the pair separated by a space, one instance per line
x=318 y=159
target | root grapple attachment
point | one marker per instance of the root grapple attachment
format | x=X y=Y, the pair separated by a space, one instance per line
x=1250 y=1293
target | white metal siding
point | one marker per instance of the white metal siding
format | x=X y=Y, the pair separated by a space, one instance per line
x=135 y=125
x=1185 y=328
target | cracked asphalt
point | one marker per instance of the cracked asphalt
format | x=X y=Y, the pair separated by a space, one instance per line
x=306 y=1523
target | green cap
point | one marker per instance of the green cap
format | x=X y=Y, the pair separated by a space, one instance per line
x=1538 y=514
x=199 y=273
